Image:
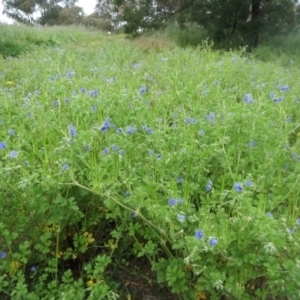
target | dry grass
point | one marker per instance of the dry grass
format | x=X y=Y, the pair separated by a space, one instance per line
x=156 y=44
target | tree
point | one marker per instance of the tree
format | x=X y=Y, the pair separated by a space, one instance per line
x=230 y=23
x=44 y=12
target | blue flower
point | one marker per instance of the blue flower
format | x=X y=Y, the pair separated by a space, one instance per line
x=144 y=127
x=285 y=88
x=65 y=167
x=248 y=98
x=292 y=230
x=86 y=148
x=119 y=130
x=3 y=254
x=201 y=132
x=199 y=234
x=159 y=156
x=150 y=152
x=181 y=218
x=122 y=152
x=211 y=116
x=127 y=194
x=252 y=144
x=129 y=130
x=159 y=120
x=26 y=163
x=11 y=132
x=67 y=100
x=71 y=141
x=143 y=89
x=249 y=183
x=94 y=108
x=172 y=202
x=103 y=129
x=132 y=215
x=208 y=187
x=195 y=121
x=114 y=147
x=93 y=93
x=213 y=242
x=298 y=221
x=13 y=153
x=32 y=269
x=105 y=151
x=2 y=145
x=269 y=214
x=149 y=130
x=271 y=95
x=83 y=90
x=188 y=120
x=179 y=201
x=179 y=179
x=55 y=103
x=238 y=186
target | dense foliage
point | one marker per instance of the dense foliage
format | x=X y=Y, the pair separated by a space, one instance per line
x=111 y=154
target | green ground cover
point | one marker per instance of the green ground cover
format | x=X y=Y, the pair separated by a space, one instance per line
x=186 y=158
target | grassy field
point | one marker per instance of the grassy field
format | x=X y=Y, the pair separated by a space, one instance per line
x=141 y=170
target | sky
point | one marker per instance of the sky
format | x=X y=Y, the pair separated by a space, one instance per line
x=87 y=5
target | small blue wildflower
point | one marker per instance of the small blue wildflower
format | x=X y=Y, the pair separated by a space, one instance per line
x=150 y=152
x=188 y=120
x=105 y=151
x=159 y=120
x=86 y=148
x=136 y=66
x=172 y=202
x=280 y=98
x=249 y=183
x=55 y=103
x=122 y=152
x=119 y=130
x=103 y=129
x=238 y=186
x=209 y=182
x=248 y=98
x=67 y=100
x=143 y=89
x=252 y=144
x=285 y=167
x=289 y=119
x=217 y=82
x=199 y=234
x=129 y=130
x=71 y=141
x=132 y=215
x=285 y=88
x=2 y=145
x=72 y=132
x=292 y=230
x=211 y=116
x=179 y=201
x=13 y=153
x=11 y=132
x=298 y=221
x=94 y=108
x=144 y=127
x=195 y=121
x=93 y=93
x=3 y=254
x=65 y=167
x=179 y=180
x=149 y=130
x=269 y=214
x=201 y=132
x=69 y=74
x=271 y=95
x=181 y=218
x=159 y=156
x=83 y=90
x=52 y=78
x=26 y=163
x=127 y=194
x=213 y=242
x=114 y=147
x=208 y=187
x=32 y=269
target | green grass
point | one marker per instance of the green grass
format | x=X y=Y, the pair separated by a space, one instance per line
x=109 y=154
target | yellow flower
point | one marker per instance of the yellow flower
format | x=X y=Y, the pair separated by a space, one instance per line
x=9 y=82
x=91 y=282
x=49 y=228
x=14 y=266
x=89 y=237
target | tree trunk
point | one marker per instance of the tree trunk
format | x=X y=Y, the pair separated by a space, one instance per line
x=255 y=22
